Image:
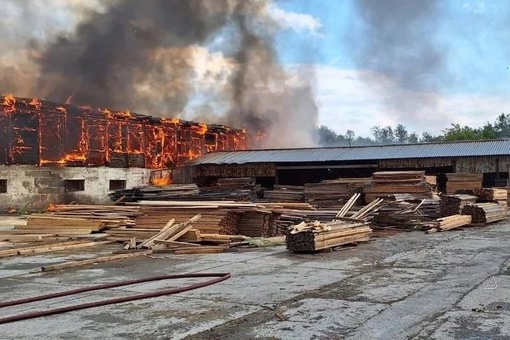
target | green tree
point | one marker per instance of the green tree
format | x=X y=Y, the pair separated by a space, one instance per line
x=327 y=137
x=383 y=135
x=502 y=126
x=401 y=134
x=457 y=133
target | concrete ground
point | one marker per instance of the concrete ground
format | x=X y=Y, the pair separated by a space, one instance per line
x=451 y=285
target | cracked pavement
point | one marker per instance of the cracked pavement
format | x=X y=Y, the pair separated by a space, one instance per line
x=450 y=285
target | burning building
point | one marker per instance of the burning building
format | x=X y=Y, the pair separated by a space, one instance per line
x=53 y=153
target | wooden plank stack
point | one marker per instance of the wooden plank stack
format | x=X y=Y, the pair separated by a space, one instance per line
x=285 y=193
x=333 y=193
x=453 y=204
x=450 y=222
x=150 y=192
x=492 y=195
x=463 y=183
x=483 y=213
x=430 y=207
x=256 y=224
x=236 y=182
x=401 y=215
x=388 y=183
x=243 y=189
x=312 y=237
x=214 y=220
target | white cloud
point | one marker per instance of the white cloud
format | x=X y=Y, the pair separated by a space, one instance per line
x=358 y=100
x=476 y=7
x=295 y=21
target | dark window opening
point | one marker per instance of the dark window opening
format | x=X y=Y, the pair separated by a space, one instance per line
x=495 y=179
x=74 y=185
x=3 y=186
x=117 y=184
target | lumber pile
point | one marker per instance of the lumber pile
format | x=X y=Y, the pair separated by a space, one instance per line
x=150 y=192
x=112 y=216
x=236 y=182
x=401 y=215
x=430 y=207
x=172 y=238
x=258 y=224
x=463 y=183
x=60 y=226
x=492 y=195
x=453 y=204
x=450 y=222
x=315 y=236
x=285 y=193
x=388 y=183
x=483 y=213
x=73 y=220
x=333 y=193
x=242 y=189
x=50 y=247
x=214 y=220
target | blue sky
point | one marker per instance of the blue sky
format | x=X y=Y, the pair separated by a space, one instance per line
x=471 y=86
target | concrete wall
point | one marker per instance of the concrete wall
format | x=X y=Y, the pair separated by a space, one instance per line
x=34 y=187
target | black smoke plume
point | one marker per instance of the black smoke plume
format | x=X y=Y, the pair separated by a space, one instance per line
x=138 y=55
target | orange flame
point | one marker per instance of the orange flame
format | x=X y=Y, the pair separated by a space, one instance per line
x=10 y=102
x=162 y=181
x=124 y=114
x=200 y=128
x=35 y=103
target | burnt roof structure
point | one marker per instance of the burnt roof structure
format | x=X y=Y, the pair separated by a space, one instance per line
x=39 y=132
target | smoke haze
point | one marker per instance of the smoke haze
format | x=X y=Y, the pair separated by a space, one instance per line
x=397 y=39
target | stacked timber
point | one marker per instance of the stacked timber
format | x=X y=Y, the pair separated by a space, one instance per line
x=401 y=215
x=430 y=207
x=236 y=182
x=243 y=189
x=214 y=220
x=172 y=238
x=385 y=184
x=285 y=194
x=315 y=236
x=483 y=213
x=333 y=193
x=492 y=195
x=463 y=183
x=257 y=224
x=450 y=222
x=62 y=226
x=453 y=204
x=151 y=192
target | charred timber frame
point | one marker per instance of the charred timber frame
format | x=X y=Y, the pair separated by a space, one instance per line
x=38 y=132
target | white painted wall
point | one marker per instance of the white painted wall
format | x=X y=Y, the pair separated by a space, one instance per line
x=37 y=187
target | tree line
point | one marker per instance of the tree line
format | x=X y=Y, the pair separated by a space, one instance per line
x=399 y=134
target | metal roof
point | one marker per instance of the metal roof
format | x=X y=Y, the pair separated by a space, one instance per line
x=330 y=154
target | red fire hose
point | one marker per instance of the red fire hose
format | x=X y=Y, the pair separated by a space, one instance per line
x=218 y=277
